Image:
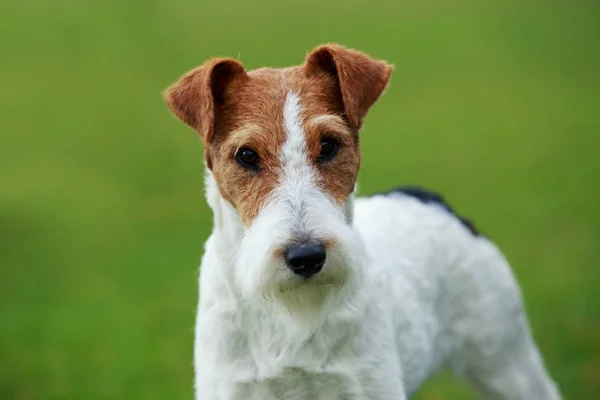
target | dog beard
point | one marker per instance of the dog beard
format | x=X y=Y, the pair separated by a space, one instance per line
x=300 y=306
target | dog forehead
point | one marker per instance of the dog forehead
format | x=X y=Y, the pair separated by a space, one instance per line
x=260 y=100
x=255 y=101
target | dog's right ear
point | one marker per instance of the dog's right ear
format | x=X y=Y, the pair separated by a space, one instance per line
x=197 y=96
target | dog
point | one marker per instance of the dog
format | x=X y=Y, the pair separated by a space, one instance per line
x=310 y=292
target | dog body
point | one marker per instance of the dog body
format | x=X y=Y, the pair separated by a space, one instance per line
x=310 y=293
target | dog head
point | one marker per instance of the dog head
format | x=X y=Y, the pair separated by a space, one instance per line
x=282 y=147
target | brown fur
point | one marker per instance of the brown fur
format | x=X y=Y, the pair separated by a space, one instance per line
x=231 y=108
x=361 y=79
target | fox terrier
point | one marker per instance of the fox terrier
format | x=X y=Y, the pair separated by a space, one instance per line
x=308 y=293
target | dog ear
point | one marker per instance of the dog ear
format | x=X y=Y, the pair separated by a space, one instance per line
x=197 y=96
x=361 y=79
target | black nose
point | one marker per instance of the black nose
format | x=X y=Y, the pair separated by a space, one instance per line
x=305 y=259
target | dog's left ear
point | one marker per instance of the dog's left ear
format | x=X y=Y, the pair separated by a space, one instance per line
x=361 y=79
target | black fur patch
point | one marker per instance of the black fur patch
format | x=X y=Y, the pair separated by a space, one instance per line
x=426 y=196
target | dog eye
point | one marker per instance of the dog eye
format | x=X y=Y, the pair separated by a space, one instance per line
x=329 y=148
x=247 y=158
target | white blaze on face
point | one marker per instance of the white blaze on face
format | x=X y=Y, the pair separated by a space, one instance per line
x=294 y=148
x=297 y=191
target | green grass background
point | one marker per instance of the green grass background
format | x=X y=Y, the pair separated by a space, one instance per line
x=102 y=215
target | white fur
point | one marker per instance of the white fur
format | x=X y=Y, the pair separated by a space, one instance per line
x=406 y=289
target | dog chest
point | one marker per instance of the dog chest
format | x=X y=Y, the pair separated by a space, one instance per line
x=297 y=384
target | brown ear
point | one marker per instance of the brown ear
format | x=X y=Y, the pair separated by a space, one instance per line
x=197 y=96
x=361 y=79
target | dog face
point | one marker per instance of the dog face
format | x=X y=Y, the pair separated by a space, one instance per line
x=283 y=148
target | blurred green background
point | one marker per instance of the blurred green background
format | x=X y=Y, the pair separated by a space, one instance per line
x=102 y=214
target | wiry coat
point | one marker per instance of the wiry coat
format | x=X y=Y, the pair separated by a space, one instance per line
x=407 y=286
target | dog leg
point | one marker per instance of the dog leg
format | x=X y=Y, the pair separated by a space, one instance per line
x=493 y=348
x=516 y=372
